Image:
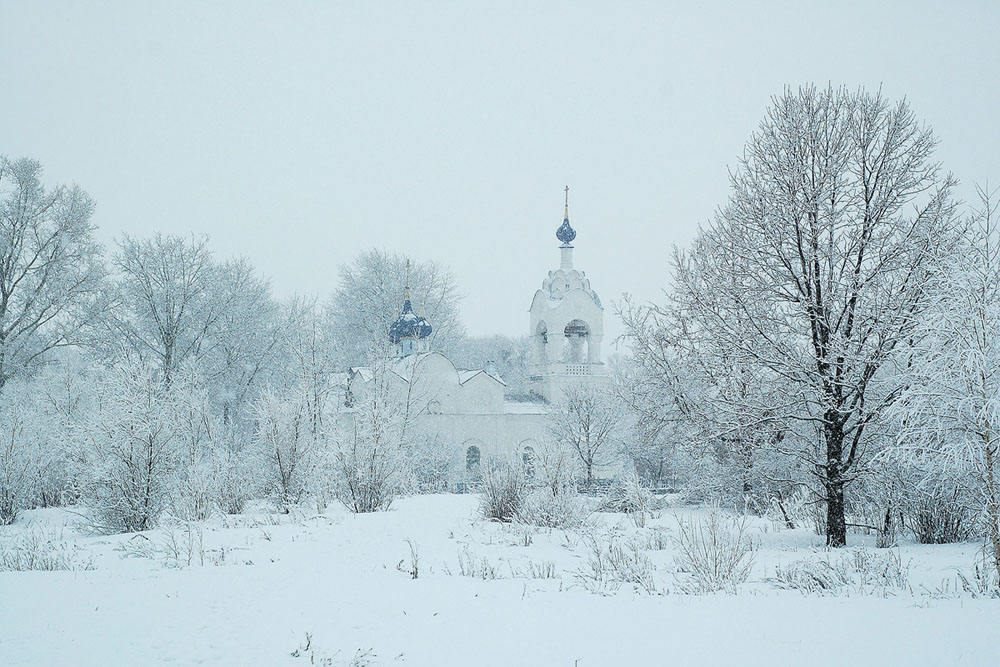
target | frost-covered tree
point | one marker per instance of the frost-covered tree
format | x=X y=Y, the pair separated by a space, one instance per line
x=369 y=296
x=816 y=269
x=289 y=444
x=129 y=450
x=175 y=304
x=370 y=440
x=18 y=448
x=50 y=268
x=949 y=413
x=709 y=412
x=196 y=487
x=586 y=419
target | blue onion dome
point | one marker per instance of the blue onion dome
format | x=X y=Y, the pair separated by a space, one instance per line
x=409 y=324
x=565 y=233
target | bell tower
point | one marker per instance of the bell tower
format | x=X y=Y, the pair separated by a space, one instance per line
x=566 y=325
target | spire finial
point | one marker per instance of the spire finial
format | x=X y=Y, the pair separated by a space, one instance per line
x=566 y=214
x=406 y=290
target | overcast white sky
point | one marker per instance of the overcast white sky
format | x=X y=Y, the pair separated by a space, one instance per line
x=298 y=134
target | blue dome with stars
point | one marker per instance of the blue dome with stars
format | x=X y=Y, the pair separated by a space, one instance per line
x=565 y=233
x=409 y=324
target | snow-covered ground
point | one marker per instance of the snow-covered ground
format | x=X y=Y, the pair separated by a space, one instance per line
x=337 y=589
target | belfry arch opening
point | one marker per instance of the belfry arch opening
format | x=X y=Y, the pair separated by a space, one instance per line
x=576 y=345
x=541 y=343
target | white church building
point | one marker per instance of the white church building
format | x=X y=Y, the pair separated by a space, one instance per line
x=466 y=409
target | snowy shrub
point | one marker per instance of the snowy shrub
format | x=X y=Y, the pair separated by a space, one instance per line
x=940 y=514
x=713 y=554
x=564 y=509
x=539 y=570
x=371 y=442
x=629 y=496
x=196 y=486
x=984 y=580
x=130 y=451
x=931 y=493
x=478 y=568
x=656 y=538
x=504 y=490
x=32 y=456
x=612 y=562
x=285 y=433
x=40 y=549
x=860 y=570
x=239 y=479
x=175 y=547
x=789 y=511
x=369 y=473
x=15 y=461
x=429 y=464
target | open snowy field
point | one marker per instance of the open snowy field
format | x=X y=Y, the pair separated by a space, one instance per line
x=338 y=589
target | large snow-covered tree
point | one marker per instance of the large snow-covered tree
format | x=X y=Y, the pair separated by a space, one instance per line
x=176 y=304
x=370 y=294
x=816 y=269
x=50 y=266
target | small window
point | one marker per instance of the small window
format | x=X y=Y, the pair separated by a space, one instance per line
x=529 y=462
x=472 y=456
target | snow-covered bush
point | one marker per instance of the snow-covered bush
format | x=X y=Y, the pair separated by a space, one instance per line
x=565 y=509
x=929 y=491
x=129 y=451
x=286 y=436
x=628 y=495
x=196 y=490
x=792 y=510
x=983 y=580
x=713 y=554
x=429 y=464
x=369 y=475
x=554 y=501
x=861 y=570
x=40 y=549
x=370 y=441
x=504 y=489
x=17 y=448
x=614 y=561
x=240 y=476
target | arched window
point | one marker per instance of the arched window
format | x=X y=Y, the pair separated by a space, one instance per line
x=529 y=461
x=472 y=456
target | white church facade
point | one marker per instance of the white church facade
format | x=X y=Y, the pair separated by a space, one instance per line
x=466 y=410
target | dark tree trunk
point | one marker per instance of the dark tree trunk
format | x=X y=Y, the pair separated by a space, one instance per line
x=836 y=524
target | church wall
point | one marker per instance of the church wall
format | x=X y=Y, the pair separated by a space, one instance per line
x=495 y=435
